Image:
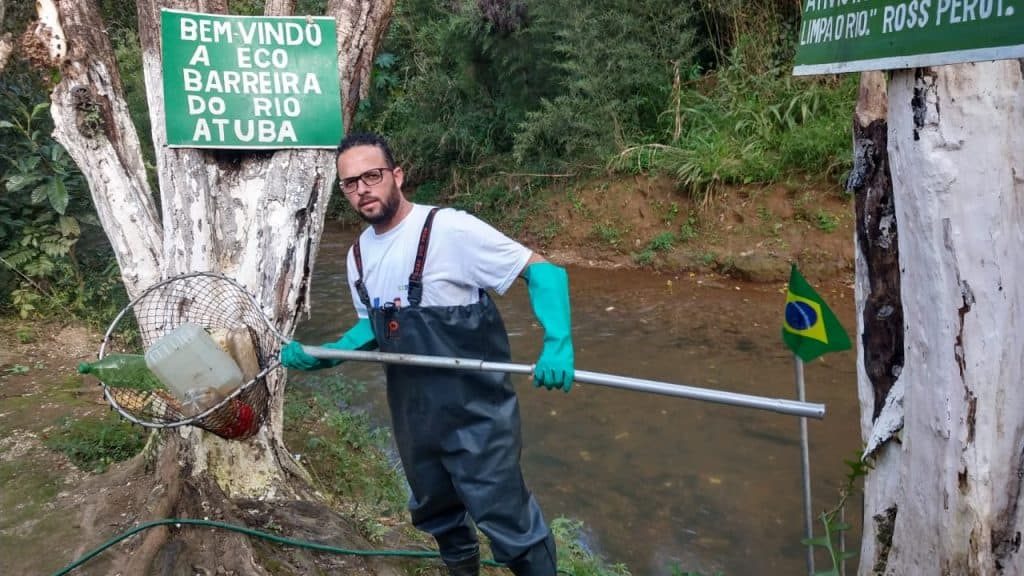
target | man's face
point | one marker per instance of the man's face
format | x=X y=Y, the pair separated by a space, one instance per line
x=375 y=204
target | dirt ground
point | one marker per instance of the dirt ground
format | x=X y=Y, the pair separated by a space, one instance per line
x=750 y=233
x=52 y=513
x=49 y=508
x=44 y=494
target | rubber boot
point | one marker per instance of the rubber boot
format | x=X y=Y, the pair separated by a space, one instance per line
x=467 y=567
x=540 y=560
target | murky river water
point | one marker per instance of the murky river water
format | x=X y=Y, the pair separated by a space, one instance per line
x=660 y=481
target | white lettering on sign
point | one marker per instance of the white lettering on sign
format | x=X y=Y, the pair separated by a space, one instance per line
x=262 y=131
x=276 y=106
x=248 y=81
x=831 y=28
x=262 y=58
x=905 y=16
x=200 y=56
x=245 y=32
x=958 y=11
x=896 y=17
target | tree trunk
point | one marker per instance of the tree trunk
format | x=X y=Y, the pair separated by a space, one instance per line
x=879 y=305
x=361 y=26
x=254 y=216
x=945 y=492
x=6 y=42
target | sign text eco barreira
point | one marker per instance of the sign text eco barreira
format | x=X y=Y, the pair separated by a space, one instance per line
x=250 y=82
x=853 y=35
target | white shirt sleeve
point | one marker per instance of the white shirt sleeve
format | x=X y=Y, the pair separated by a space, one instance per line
x=490 y=260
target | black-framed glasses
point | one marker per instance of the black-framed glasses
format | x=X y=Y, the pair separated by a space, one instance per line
x=371 y=178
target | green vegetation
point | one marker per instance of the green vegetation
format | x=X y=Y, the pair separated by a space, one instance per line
x=478 y=95
x=574 y=558
x=825 y=222
x=833 y=526
x=344 y=452
x=492 y=106
x=55 y=258
x=95 y=443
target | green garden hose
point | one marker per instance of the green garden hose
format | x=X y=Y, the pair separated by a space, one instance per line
x=256 y=533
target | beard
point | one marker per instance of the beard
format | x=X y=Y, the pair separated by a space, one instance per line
x=388 y=209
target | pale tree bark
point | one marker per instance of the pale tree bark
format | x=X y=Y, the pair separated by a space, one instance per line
x=879 y=305
x=361 y=26
x=6 y=40
x=254 y=216
x=944 y=496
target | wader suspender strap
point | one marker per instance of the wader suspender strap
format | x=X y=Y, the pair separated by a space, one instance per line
x=364 y=297
x=416 y=278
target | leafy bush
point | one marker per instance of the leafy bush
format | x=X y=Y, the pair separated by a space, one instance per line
x=45 y=212
x=697 y=89
x=746 y=129
x=448 y=89
x=663 y=241
x=616 y=62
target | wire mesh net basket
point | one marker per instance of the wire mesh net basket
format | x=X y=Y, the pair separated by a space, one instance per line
x=215 y=303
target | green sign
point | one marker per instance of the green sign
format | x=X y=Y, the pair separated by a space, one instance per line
x=250 y=82
x=853 y=35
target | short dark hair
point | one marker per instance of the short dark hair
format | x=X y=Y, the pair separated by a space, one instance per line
x=367 y=139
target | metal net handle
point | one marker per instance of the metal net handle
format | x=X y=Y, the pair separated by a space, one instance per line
x=191 y=420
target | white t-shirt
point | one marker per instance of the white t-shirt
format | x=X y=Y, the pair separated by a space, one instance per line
x=464 y=255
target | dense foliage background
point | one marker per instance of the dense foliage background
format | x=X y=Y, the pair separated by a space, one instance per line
x=470 y=92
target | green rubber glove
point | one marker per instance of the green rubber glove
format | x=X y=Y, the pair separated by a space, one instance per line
x=358 y=337
x=549 y=296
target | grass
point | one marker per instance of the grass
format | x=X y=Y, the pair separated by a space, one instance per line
x=345 y=453
x=574 y=558
x=688 y=230
x=644 y=257
x=25 y=334
x=825 y=222
x=93 y=444
x=744 y=129
x=27 y=487
x=608 y=233
x=662 y=242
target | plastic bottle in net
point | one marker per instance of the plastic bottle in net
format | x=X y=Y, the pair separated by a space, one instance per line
x=123 y=371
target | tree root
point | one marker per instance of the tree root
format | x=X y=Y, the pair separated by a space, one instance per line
x=155 y=538
x=144 y=490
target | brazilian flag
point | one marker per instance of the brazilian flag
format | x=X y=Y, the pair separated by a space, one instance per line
x=810 y=329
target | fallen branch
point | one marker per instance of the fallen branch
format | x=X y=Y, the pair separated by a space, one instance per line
x=532 y=175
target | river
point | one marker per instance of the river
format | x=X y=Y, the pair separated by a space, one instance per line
x=662 y=483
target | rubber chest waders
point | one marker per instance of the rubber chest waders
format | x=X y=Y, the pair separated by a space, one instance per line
x=458 y=433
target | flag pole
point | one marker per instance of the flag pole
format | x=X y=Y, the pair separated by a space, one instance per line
x=805 y=460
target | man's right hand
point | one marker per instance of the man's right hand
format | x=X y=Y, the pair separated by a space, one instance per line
x=293 y=357
x=359 y=337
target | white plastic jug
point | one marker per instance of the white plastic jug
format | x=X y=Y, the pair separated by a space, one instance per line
x=193 y=367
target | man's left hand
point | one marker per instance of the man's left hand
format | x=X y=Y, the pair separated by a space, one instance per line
x=549 y=295
x=554 y=369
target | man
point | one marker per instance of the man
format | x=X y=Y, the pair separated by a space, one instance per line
x=418 y=277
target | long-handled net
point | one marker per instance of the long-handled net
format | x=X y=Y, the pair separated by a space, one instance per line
x=216 y=303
